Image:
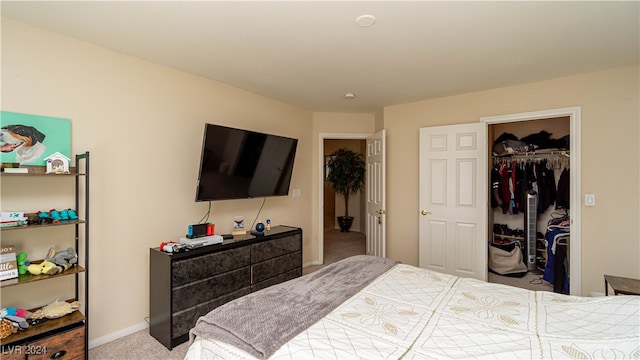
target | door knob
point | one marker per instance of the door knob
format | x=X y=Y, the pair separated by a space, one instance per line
x=425 y=212
x=381 y=211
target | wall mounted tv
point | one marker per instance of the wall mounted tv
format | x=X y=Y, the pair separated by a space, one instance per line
x=242 y=164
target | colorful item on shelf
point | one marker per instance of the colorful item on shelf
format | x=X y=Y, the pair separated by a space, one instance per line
x=57 y=163
x=55 y=262
x=17 y=318
x=6 y=328
x=42 y=217
x=23 y=262
x=12 y=218
x=64 y=259
x=72 y=214
x=45 y=267
x=55 y=215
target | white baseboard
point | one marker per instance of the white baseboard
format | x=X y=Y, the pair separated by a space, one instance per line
x=311 y=263
x=118 y=334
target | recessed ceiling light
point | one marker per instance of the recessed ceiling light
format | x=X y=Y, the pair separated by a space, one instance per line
x=349 y=96
x=365 y=20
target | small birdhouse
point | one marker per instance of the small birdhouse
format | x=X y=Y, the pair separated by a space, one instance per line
x=57 y=164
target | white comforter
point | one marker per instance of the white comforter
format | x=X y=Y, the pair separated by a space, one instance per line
x=414 y=313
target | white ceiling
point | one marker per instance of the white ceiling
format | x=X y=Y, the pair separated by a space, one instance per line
x=310 y=53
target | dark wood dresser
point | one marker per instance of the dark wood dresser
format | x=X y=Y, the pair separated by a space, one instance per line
x=187 y=285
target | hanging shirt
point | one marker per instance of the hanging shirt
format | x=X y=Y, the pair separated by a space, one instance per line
x=562 y=197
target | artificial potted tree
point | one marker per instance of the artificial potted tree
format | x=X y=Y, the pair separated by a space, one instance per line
x=346 y=170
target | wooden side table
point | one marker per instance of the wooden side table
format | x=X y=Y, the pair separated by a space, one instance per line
x=621 y=285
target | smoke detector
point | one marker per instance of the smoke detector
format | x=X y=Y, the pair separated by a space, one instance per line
x=365 y=20
x=349 y=96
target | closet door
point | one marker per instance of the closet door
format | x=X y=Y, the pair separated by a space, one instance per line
x=454 y=199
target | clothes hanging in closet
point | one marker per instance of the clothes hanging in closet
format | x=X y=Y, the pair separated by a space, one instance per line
x=546 y=185
x=562 y=198
x=556 y=270
x=512 y=179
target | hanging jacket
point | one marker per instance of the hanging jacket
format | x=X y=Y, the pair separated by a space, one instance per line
x=506 y=194
x=496 y=184
x=546 y=186
x=562 y=197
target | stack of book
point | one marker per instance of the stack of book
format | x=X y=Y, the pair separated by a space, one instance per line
x=12 y=218
x=14 y=168
x=8 y=263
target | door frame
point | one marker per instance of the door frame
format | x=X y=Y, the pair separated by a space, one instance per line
x=321 y=138
x=575 y=183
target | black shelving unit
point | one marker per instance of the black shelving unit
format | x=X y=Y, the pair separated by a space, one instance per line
x=66 y=327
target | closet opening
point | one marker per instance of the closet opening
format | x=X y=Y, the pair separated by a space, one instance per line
x=530 y=206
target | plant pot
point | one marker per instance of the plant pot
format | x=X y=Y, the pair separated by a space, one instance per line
x=345 y=223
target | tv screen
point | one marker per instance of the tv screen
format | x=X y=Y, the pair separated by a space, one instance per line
x=241 y=164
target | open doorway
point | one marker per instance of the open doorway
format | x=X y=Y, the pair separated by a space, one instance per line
x=336 y=245
x=339 y=245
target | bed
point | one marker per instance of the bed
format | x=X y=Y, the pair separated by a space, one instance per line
x=367 y=307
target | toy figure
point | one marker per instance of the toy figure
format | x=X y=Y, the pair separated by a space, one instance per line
x=65 y=259
x=23 y=262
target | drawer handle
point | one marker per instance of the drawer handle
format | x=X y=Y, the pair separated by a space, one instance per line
x=59 y=354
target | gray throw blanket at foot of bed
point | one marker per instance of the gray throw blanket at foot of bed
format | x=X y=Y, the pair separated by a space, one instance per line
x=261 y=322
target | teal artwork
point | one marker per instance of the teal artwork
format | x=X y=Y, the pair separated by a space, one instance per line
x=30 y=139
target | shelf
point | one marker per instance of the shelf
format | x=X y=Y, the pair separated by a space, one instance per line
x=41 y=171
x=38 y=226
x=514 y=237
x=28 y=278
x=539 y=152
x=44 y=328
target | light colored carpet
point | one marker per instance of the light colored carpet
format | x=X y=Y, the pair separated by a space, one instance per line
x=338 y=246
x=531 y=281
x=139 y=345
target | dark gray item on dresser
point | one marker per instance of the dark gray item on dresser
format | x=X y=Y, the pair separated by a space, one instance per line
x=187 y=285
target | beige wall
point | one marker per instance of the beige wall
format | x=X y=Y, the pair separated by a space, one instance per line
x=610 y=129
x=143 y=125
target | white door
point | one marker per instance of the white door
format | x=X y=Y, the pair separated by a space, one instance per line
x=375 y=187
x=454 y=199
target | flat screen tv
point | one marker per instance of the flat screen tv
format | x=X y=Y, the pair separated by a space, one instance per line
x=242 y=164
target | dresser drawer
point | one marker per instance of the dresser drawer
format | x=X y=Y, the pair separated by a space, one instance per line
x=274 y=248
x=276 y=266
x=184 y=320
x=202 y=267
x=211 y=288
x=68 y=345
x=292 y=274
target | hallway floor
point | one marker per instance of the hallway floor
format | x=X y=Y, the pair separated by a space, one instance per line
x=338 y=246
